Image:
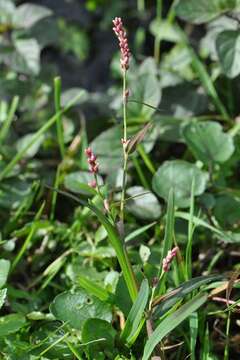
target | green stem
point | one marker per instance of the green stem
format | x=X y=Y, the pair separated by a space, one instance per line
x=38 y=134
x=157 y=42
x=146 y=159
x=125 y=154
x=57 y=101
x=141 y=5
x=226 y=350
x=140 y=173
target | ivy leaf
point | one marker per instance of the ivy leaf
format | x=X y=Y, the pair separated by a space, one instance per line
x=76 y=308
x=228 y=49
x=202 y=11
x=178 y=175
x=208 y=142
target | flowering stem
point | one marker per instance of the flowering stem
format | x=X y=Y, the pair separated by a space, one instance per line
x=125 y=154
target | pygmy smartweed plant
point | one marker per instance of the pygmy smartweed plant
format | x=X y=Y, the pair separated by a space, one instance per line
x=124 y=62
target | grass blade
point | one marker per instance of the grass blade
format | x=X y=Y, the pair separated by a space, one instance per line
x=7 y=123
x=136 y=312
x=171 y=322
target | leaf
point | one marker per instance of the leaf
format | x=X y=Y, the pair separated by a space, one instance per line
x=145 y=206
x=97 y=329
x=164 y=30
x=228 y=50
x=27 y=15
x=171 y=298
x=171 y=322
x=76 y=308
x=146 y=90
x=26 y=57
x=208 y=142
x=136 y=313
x=3 y=295
x=10 y=324
x=178 y=175
x=202 y=11
x=13 y=192
x=78 y=182
x=169 y=228
x=7 y=9
x=25 y=140
x=138 y=138
x=138 y=232
x=107 y=146
x=4 y=270
x=69 y=94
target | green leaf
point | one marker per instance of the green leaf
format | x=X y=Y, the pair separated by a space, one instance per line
x=4 y=270
x=138 y=232
x=171 y=322
x=25 y=140
x=202 y=11
x=208 y=142
x=76 y=308
x=7 y=9
x=97 y=329
x=71 y=93
x=136 y=313
x=146 y=89
x=10 y=324
x=144 y=206
x=228 y=49
x=78 y=182
x=181 y=291
x=3 y=295
x=169 y=228
x=26 y=57
x=27 y=15
x=164 y=30
x=107 y=146
x=178 y=175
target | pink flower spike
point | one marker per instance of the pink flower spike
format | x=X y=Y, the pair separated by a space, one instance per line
x=169 y=258
x=92 y=184
x=123 y=43
x=88 y=152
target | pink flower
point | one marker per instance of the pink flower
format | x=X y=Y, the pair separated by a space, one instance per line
x=169 y=258
x=92 y=184
x=92 y=160
x=123 y=43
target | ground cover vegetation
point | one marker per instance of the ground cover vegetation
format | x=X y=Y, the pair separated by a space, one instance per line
x=119 y=179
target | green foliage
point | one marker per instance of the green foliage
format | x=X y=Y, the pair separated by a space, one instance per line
x=76 y=308
x=178 y=175
x=78 y=277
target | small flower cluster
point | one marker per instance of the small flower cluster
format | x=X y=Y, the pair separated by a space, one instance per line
x=123 y=42
x=169 y=258
x=93 y=165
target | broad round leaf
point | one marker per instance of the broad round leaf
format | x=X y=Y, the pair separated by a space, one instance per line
x=76 y=308
x=228 y=49
x=208 y=142
x=27 y=15
x=202 y=11
x=145 y=206
x=178 y=175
